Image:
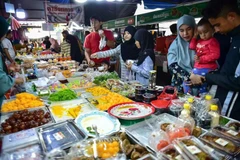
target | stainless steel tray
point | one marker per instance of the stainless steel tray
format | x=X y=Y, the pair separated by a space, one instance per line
x=3 y=117
x=9 y=100
x=64 y=134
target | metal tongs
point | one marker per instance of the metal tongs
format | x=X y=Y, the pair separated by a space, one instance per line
x=95 y=153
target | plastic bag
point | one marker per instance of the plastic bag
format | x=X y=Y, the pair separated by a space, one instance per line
x=158 y=139
x=175 y=132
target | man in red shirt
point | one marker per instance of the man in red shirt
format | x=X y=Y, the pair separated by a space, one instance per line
x=92 y=41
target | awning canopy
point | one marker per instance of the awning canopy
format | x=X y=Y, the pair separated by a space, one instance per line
x=152 y=4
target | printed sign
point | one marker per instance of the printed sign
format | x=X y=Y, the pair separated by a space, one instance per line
x=63 y=13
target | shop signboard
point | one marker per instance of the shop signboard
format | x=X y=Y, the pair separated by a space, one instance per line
x=118 y=23
x=194 y=10
x=63 y=13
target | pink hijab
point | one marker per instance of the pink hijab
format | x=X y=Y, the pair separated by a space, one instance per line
x=54 y=44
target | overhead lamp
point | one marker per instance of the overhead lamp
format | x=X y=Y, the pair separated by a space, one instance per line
x=110 y=0
x=9 y=8
x=20 y=13
x=99 y=0
x=81 y=1
x=119 y=0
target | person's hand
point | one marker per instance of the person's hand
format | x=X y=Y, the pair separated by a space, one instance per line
x=195 y=33
x=91 y=63
x=196 y=58
x=14 y=67
x=94 y=55
x=101 y=33
x=196 y=79
x=19 y=80
x=129 y=66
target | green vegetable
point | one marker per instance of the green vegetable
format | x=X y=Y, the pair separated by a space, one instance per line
x=90 y=130
x=101 y=80
x=63 y=95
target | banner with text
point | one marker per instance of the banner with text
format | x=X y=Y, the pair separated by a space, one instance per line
x=63 y=13
x=170 y=14
x=118 y=23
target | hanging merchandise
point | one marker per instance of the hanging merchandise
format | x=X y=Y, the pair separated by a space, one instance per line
x=14 y=23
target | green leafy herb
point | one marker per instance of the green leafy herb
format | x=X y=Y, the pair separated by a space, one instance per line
x=63 y=95
x=90 y=130
x=101 y=80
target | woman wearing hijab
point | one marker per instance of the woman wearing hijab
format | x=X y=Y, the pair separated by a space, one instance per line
x=76 y=52
x=180 y=57
x=146 y=58
x=6 y=81
x=126 y=51
x=54 y=45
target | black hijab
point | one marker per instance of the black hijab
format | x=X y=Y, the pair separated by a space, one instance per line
x=146 y=42
x=128 y=48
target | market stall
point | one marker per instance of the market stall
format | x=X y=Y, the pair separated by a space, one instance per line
x=71 y=111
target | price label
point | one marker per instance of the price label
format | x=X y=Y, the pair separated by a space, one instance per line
x=194 y=149
x=234 y=133
x=58 y=136
x=221 y=142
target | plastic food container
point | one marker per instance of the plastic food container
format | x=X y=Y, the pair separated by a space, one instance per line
x=229 y=133
x=234 y=125
x=176 y=106
x=60 y=135
x=18 y=140
x=139 y=90
x=148 y=97
x=131 y=147
x=31 y=152
x=172 y=152
x=221 y=143
x=195 y=149
x=142 y=130
x=103 y=148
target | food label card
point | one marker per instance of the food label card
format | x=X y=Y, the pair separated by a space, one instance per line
x=194 y=149
x=58 y=136
x=221 y=142
x=232 y=132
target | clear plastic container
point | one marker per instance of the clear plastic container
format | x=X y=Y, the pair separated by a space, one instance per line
x=32 y=152
x=172 y=152
x=229 y=133
x=195 y=149
x=176 y=107
x=103 y=148
x=221 y=143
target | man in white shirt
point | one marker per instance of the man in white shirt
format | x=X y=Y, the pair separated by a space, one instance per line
x=8 y=48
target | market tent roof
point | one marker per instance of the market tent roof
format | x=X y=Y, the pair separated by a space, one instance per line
x=152 y=4
x=107 y=10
